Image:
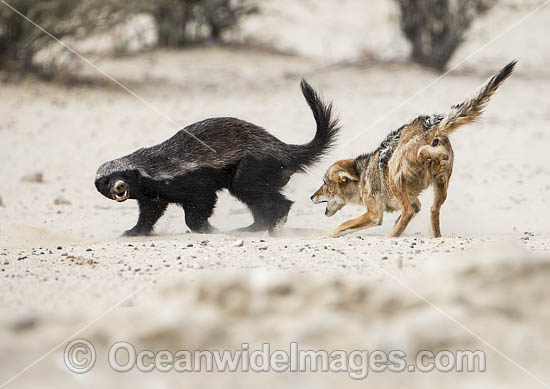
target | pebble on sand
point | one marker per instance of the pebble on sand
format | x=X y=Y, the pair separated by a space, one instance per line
x=61 y=201
x=238 y=243
x=36 y=177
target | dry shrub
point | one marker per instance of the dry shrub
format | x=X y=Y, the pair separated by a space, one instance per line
x=20 y=40
x=435 y=28
x=178 y=23
x=182 y=22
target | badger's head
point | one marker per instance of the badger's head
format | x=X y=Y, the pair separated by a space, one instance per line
x=118 y=180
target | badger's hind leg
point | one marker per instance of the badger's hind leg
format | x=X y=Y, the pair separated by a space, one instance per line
x=197 y=212
x=257 y=183
x=150 y=212
x=268 y=210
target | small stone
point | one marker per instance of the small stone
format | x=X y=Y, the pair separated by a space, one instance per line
x=37 y=177
x=61 y=201
x=238 y=243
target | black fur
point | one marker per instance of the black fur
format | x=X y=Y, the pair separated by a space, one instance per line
x=384 y=151
x=251 y=163
x=390 y=142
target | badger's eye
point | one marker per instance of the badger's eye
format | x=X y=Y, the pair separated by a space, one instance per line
x=435 y=142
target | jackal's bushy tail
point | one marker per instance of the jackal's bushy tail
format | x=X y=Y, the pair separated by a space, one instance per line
x=471 y=109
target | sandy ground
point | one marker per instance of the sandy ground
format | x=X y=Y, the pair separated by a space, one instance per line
x=64 y=265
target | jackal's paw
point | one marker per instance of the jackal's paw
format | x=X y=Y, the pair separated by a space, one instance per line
x=393 y=235
x=336 y=233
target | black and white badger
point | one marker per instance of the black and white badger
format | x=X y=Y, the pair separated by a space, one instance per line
x=250 y=162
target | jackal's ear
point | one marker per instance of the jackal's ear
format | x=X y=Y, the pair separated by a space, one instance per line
x=345 y=170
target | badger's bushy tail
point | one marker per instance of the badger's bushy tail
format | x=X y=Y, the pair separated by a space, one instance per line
x=328 y=128
x=471 y=109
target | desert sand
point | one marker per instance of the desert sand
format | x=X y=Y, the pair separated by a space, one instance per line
x=66 y=273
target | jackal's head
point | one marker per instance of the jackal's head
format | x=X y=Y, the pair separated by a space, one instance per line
x=340 y=187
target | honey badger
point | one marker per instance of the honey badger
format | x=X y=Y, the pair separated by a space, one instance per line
x=248 y=161
x=410 y=159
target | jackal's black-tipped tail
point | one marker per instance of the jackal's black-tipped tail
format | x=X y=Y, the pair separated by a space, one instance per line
x=471 y=109
x=304 y=156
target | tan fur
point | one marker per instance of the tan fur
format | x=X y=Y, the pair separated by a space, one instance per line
x=420 y=155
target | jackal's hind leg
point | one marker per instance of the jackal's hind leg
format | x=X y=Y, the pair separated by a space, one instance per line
x=440 y=195
x=399 y=190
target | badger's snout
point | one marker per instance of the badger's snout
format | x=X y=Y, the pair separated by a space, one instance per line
x=120 y=191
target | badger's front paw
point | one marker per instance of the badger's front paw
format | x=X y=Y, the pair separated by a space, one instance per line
x=136 y=232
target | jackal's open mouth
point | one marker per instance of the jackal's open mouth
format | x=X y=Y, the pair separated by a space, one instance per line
x=121 y=197
x=329 y=212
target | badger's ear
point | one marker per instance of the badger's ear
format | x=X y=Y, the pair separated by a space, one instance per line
x=345 y=170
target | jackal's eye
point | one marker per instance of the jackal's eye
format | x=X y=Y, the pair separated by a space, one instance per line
x=435 y=142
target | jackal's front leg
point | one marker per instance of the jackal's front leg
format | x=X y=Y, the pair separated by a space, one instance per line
x=368 y=219
x=373 y=217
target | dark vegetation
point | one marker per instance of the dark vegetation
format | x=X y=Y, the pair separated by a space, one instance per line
x=177 y=23
x=435 y=28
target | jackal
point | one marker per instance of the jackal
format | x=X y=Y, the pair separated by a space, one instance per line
x=410 y=159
